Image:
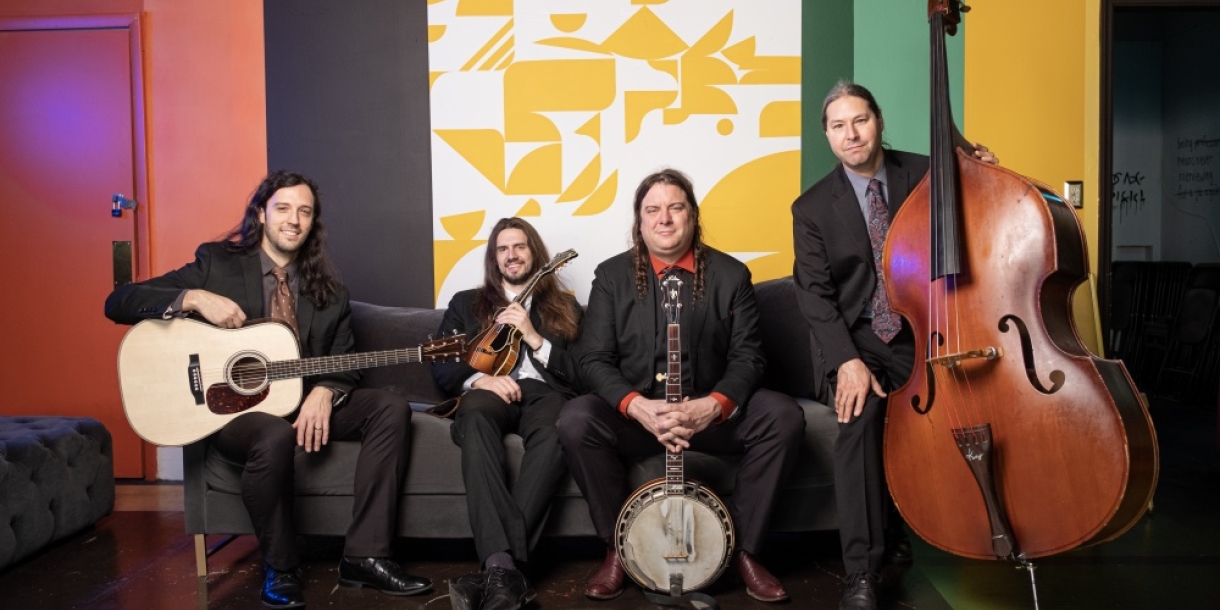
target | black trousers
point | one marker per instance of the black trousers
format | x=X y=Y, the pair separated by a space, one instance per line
x=861 y=495
x=597 y=439
x=266 y=446
x=504 y=519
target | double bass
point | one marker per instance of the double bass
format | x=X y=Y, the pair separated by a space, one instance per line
x=1010 y=440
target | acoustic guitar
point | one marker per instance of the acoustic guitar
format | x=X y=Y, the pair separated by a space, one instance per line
x=674 y=535
x=182 y=379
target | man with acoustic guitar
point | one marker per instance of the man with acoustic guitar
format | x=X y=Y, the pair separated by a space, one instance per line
x=275 y=264
x=520 y=306
x=624 y=361
x=861 y=347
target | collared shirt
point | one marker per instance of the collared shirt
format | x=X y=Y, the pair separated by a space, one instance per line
x=525 y=368
x=270 y=284
x=860 y=185
x=686 y=262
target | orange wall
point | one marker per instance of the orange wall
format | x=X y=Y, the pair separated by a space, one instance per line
x=205 y=105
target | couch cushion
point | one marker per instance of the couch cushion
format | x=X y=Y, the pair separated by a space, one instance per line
x=785 y=340
x=379 y=328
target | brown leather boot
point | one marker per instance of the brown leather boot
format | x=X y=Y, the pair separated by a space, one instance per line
x=760 y=584
x=607 y=582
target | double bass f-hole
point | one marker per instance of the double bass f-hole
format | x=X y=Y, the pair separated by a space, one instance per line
x=1027 y=351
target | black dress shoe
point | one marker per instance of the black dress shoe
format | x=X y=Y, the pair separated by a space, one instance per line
x=898 y=549
x=861 y=592
x=506 y=590
x=282 y=589
x=382 y=574
x=466 y=592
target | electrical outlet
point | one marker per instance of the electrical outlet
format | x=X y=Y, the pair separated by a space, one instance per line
x=1074 y=191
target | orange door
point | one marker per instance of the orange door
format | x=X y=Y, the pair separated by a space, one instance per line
x=67 y=144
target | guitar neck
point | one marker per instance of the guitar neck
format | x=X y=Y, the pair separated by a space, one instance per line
x=675 y=467
x=305 y=367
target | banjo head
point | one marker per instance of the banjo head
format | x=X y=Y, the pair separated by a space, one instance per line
x=687 y=539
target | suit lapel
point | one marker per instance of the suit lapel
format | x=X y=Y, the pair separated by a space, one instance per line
x=252 y=271
x=696 y=321
x=847 y=207
x=305 y=312
x=901 y=185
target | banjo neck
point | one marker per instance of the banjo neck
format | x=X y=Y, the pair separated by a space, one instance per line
x=675 y=467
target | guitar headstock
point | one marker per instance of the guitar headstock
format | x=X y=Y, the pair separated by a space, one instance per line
x=448 y=348
x=671 y=292
x=558 y=261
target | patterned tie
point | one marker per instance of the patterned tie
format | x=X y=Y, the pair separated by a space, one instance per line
x=886 y=323
x=283 y=306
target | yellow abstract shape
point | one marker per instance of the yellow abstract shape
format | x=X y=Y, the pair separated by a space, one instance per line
x=592 y=128
x=601 y=199
x=435 y=32
x=432 y=76
x=780 y=119
x=637 y=104
x=464 y=226
x=584 y=183
x=447 y=252
x=532 y=87
x=577 y=44
x=487 y=46
x=485 y=8
x=765 y=70
x=504 y=49
x=749 y=211
x=649 y=1
x=483 y=149
x=508 y=59
x=724 y=127
x=531 y=208
x=668 y=66
x=569 y=22
x=644 y=36
x=539 y=172
x=435 y=1
x=714 y=39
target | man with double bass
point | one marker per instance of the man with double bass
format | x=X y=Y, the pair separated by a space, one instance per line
x=275 y=264
x=861 y=347
x=624 y=351
x=526 y=399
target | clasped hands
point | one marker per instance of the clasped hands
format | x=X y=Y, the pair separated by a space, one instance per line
x=673 y=424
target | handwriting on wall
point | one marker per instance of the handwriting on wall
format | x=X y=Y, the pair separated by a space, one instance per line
x=1128 y=189
x=1195 y=168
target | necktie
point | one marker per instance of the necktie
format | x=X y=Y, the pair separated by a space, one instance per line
x=283 y=306
x=886 y=323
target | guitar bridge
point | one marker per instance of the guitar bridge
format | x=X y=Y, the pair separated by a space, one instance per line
x=195 y=379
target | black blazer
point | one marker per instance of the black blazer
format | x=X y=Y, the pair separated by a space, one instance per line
x=720 y=342
x=323 y=332
x=559 y=373
x=834 y=271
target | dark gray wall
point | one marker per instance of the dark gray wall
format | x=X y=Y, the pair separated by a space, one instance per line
x=347 y=104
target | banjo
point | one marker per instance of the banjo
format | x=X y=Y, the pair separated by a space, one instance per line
x=673 y=535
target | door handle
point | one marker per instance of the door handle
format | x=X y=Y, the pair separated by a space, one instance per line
x=118 y=203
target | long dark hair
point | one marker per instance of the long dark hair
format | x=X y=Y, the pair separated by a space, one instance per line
x=639 y=250
x=548 y=296
x=319 y=279
x=845 y=88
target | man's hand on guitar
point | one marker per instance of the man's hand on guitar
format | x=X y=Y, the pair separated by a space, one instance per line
x=659 y=418
x=313 y=423
x=516 y=315
x=218 y=310
x=504 y=387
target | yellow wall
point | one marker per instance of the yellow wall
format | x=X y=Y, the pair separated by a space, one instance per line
x=1031 y=95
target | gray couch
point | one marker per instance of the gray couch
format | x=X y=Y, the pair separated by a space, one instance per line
x=434 y=502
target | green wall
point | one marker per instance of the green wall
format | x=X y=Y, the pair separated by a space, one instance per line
x=883 y=45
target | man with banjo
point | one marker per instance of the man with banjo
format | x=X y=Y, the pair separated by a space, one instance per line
x=527 y=321
x=274 y=264
x=624 y=352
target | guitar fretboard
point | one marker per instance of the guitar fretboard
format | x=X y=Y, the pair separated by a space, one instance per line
x=675 y=475
x=304 y=367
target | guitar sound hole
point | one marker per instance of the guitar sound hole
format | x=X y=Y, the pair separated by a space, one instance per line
x=248 y=374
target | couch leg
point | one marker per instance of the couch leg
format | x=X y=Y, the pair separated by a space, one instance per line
x=201 y=555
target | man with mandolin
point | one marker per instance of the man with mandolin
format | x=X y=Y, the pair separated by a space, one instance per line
x=862 y=349
x=627 y=361
x=274 y=264
x=517 y=375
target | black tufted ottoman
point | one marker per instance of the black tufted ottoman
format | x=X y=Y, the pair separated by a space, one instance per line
x=56 y=478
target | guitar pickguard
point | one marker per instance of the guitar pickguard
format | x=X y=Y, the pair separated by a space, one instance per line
x=222 y=400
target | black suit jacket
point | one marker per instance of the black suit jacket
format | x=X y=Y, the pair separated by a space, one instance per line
x=559 y=372
x=323 y=332
x=834 y=271
x=720 y=344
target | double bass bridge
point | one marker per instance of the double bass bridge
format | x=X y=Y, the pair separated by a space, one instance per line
x=951 y=361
